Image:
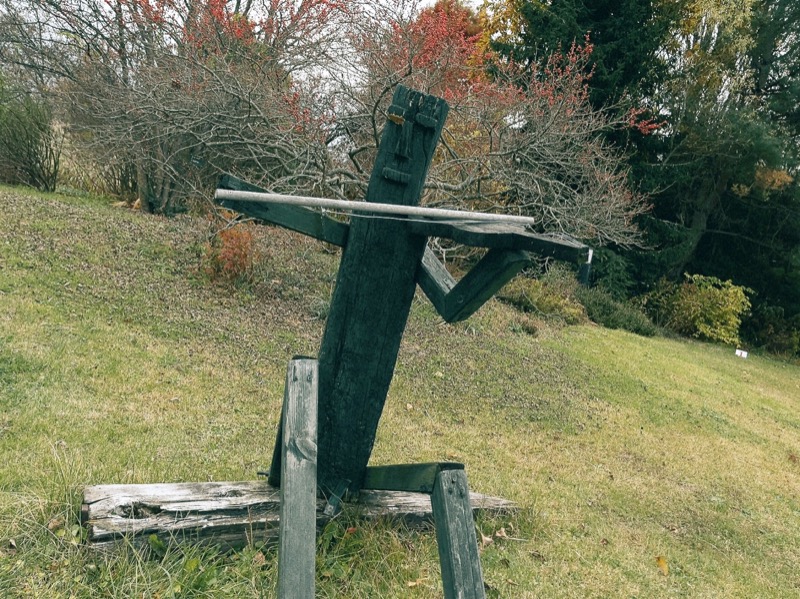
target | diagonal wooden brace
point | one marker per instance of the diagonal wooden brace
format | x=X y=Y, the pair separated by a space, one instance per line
x=456 y=301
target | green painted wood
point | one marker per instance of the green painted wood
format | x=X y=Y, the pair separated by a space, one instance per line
x=296 y=218
x=455 y=534
x=298 y=512
x=456 y=301
x=414 y=478
x=373 y=294
x=502 y=236
x=274 y=477
x=435 y=280
x=483 y=280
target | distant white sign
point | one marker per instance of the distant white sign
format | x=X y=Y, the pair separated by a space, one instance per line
x=741 y=353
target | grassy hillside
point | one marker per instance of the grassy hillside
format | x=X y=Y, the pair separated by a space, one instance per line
x=644 y=467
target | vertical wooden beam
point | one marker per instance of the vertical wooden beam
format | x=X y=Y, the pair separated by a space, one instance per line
x=373 y=294
x=455 y=533
x=298 y=513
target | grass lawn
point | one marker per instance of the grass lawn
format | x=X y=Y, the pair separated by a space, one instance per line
x=643 y=467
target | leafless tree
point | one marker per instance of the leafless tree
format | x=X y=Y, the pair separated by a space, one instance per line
x=184 y=90
x=516 y=139
x=293 y=95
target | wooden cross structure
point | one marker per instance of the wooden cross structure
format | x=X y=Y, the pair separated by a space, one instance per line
x=332 y=405
x=382 y=262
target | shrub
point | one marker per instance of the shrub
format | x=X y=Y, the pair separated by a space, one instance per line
x=612 y=272
x=552 y=296
x=230 y=254
x=603 y=309
x=30 y=143
x=769 y=328
x=700 y=307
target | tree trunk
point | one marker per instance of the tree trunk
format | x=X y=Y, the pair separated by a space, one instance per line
x=708 y=201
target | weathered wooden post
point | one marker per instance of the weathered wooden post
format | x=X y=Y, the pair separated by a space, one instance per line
x=298 y=512
x=455 y=535
x=373 y=295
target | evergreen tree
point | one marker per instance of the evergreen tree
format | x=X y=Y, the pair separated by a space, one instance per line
x=722 y=76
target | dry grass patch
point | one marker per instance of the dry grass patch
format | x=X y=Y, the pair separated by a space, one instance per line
x=120 y=362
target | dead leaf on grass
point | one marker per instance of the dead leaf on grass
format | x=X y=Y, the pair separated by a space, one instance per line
x=486 y=541
x=662 y=564
x=259 y=560
x=415 y=583
x=55 y=524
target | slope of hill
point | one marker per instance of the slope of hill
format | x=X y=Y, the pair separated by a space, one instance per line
x=644 y=467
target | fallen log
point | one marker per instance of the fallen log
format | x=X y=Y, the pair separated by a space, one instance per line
x=232 y=514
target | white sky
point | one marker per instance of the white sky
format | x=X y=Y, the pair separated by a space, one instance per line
x=473 y=3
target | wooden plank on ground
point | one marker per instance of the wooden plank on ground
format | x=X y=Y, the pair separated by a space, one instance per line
x=231 y=514
x=296 y=218
x=455 y=533
x=298 y=532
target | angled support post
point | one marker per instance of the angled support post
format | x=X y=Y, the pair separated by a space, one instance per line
x=298 y=512
x=462 y=577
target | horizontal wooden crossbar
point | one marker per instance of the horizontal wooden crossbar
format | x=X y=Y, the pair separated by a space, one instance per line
x=373 y=207
x=296 y=218
x=413 y=478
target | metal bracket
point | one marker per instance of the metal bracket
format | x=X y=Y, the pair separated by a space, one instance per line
x=334 y=504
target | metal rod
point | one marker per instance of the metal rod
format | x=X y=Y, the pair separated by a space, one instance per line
x=372 y=207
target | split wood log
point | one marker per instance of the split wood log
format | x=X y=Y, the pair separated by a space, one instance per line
x=231 y=515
